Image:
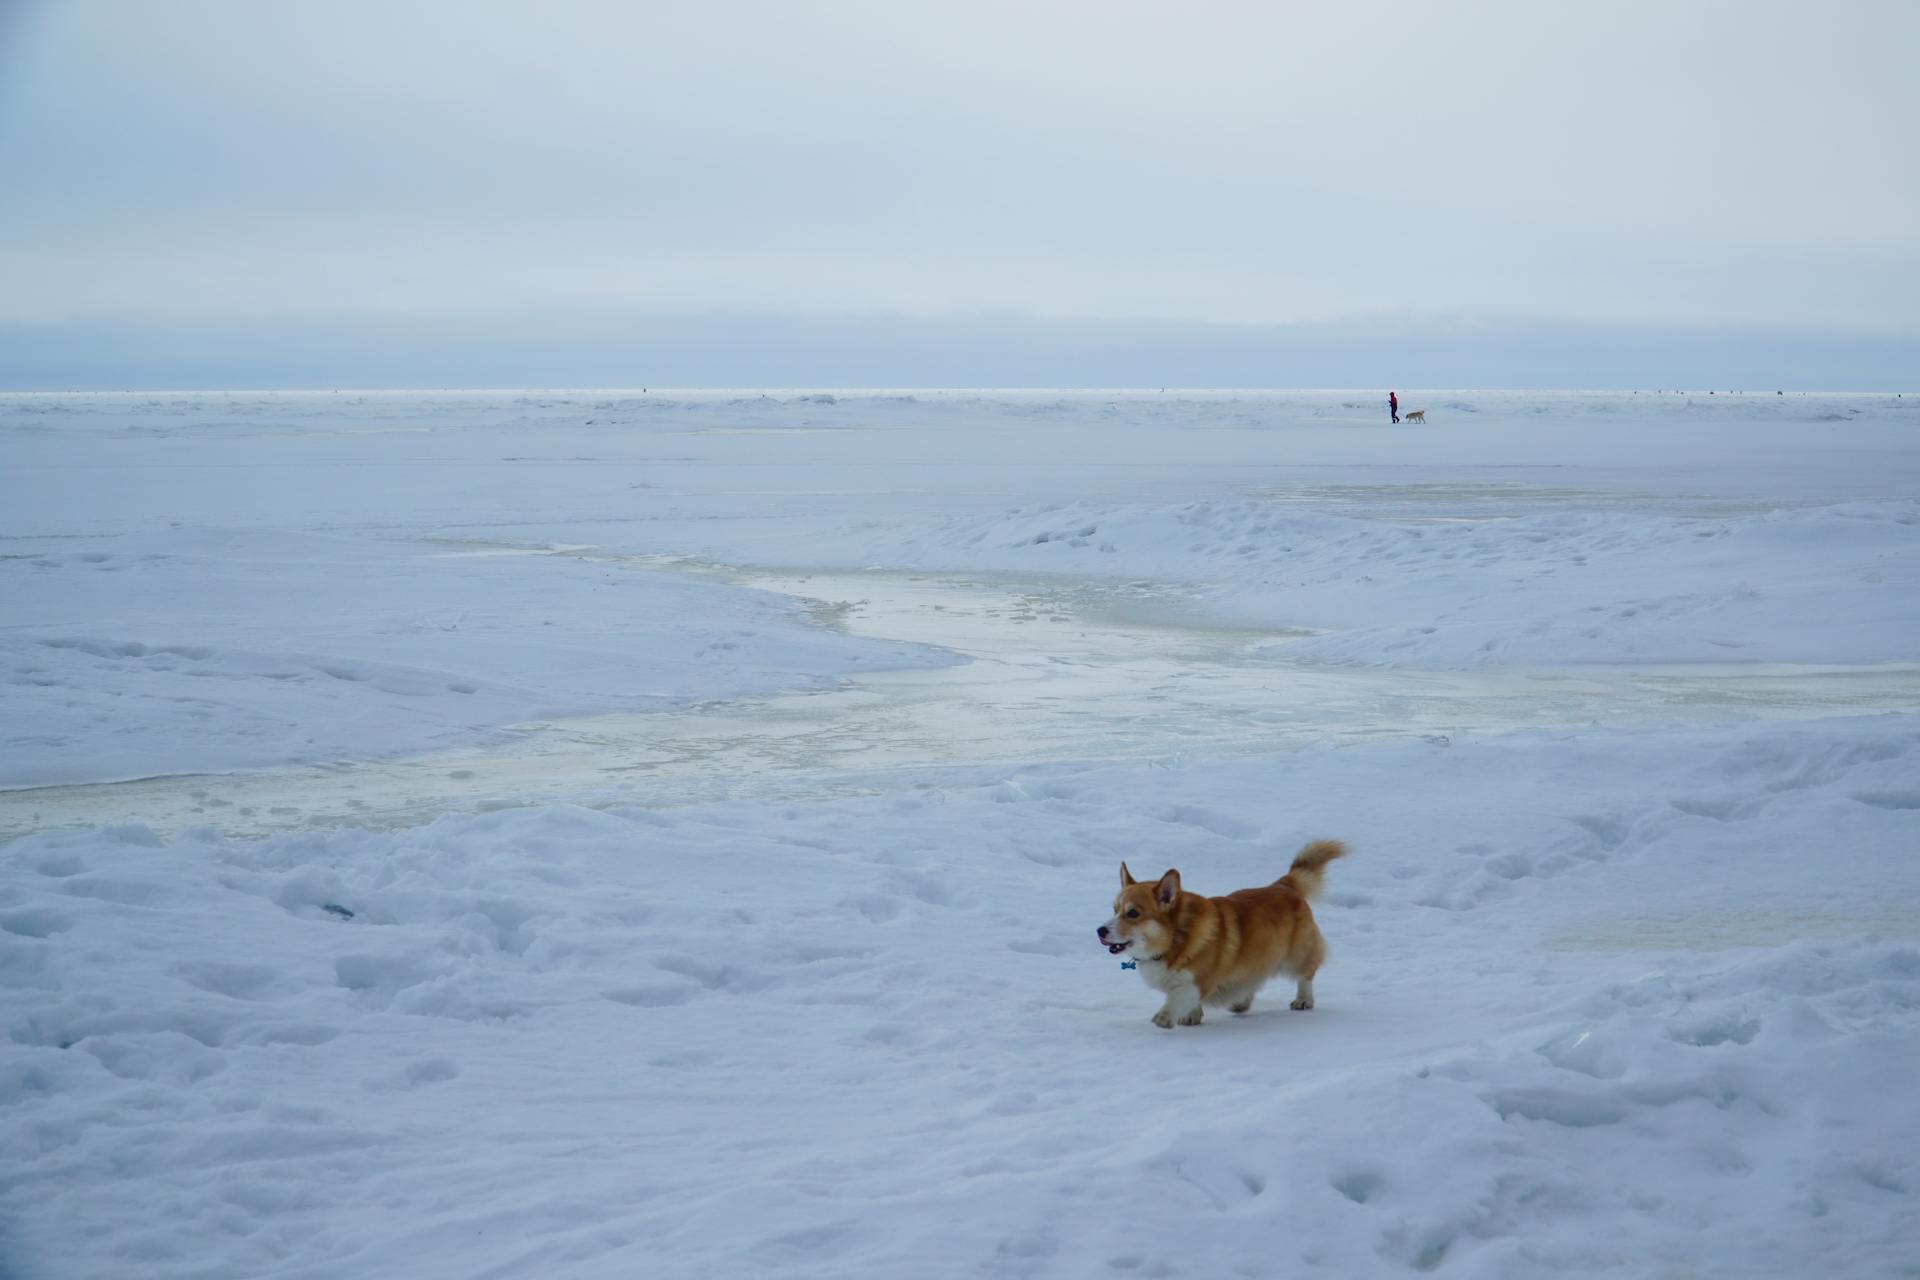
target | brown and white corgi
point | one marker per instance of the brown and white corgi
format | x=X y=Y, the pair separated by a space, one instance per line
x=1202 y=951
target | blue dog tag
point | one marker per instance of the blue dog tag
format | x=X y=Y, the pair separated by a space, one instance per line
x=1129 y=964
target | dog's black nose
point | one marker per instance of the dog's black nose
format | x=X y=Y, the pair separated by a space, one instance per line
x=1103 y=931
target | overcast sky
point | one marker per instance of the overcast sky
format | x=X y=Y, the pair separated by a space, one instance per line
x=188 y=166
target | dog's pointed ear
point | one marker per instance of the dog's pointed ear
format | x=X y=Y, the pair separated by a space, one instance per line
x=1168 y=889
x=1126 y=877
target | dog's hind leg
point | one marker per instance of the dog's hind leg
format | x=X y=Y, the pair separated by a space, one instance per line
x=1306 y=962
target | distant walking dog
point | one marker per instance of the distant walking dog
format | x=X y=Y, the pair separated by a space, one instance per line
x=1221 y=951
x=1416 y=415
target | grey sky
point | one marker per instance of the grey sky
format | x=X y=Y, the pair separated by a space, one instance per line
x=191 y=163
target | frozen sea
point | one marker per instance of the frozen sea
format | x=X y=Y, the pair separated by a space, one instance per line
x=660 y=833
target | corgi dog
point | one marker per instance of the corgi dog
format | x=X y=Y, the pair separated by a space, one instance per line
x=1220 y=951
x=1417 y=415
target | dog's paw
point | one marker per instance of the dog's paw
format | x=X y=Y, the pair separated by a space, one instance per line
x=1163 y=1019
x=1242 y=1006
x=1193 y=1019
x=1303 y=1003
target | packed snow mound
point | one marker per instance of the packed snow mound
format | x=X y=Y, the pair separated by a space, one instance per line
x=1624 y=1002
x=197 y=650
x=1540 y=589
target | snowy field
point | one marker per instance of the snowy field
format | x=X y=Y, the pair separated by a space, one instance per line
x=660 y=834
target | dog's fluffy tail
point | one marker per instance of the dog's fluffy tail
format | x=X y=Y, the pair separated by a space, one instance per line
x=1309 y=869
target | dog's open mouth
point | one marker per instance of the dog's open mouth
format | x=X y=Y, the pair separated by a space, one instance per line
x=1115 y=948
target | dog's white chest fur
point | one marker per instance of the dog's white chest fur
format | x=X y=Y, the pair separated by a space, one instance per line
x=1155 y=974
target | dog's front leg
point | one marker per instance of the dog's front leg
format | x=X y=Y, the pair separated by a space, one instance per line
x=1182 y=1006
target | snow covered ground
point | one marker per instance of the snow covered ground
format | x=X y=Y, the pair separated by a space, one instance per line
x=275 y=648
x=696 y=950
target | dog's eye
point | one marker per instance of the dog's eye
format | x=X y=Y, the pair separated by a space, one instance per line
x=1132 y=912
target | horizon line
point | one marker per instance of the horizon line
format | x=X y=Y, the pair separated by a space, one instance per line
x=930 y=388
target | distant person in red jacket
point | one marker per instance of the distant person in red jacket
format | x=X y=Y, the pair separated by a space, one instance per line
x=1393 y=404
